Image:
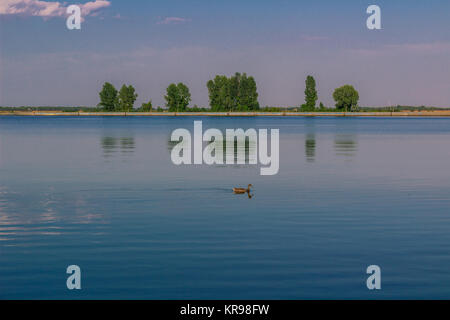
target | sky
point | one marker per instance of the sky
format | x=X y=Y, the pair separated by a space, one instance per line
x=151 y=44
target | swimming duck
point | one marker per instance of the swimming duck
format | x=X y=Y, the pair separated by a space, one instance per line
x=242 y=190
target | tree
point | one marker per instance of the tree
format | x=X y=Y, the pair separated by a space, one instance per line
x=185 y=96
x=235 y=86
x=247 y=95
x=172 y=97
x=237 y=93
x=310 y=94
x=147 y=107
x=127 y=97
x=108 y=97
x=178 y=97
x=346 y=98
x=219 y=93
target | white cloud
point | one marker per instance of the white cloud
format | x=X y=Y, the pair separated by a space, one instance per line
x=174 y=20
x=47 y=9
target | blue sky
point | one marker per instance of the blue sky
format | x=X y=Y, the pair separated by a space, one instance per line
x=152 y=43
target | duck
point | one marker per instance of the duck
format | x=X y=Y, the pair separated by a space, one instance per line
x=242 y=190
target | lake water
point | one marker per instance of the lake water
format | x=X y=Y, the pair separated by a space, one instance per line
x=103 y=194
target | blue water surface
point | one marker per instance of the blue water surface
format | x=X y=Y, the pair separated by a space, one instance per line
x=102 y=193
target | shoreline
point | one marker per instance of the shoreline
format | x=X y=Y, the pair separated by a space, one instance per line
x=444 y=113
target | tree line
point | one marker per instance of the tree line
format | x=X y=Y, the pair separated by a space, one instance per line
x=237 y=93
x=227 y=94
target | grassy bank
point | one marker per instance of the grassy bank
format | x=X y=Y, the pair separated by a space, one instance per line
x=428 y=113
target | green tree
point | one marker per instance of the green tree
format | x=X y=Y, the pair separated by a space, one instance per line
x=310 y=94
x=219 y=93
x=213 y=94
x=237 y=93
x=346 y=98
x=147 y=107
x=108 y=97
x=247 y=94
x=172 y=97
x=178 y=97
x=127 y=97
x=235 y=85
x=185 y=96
